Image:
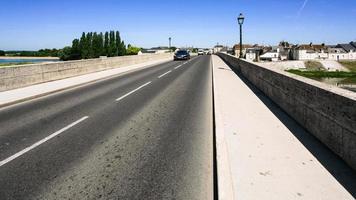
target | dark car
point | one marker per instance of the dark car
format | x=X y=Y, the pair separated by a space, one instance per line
x=182 y=55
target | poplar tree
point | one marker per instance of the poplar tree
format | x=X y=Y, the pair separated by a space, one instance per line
x=101 y=44
x=90 y=45
x=112 y=45
x=75 y=51
x=123 y=48
x=96 y=45
x=84 y=47
x=106 y=43
x=120 y=45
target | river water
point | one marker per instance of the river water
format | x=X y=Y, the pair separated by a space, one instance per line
x=26 y=60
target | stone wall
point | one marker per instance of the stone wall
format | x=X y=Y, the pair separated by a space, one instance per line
x=327 y=112
x=25 y=75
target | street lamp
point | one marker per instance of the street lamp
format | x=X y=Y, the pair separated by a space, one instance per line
x=241 y=20
x=170 y=43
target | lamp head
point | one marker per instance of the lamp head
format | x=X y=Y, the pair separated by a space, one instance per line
x=241 y=19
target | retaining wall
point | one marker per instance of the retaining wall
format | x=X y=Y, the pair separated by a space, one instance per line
x=327 y=112
x=25 y=75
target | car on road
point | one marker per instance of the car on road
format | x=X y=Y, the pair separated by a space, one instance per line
x=182 y=55
x=200 y=52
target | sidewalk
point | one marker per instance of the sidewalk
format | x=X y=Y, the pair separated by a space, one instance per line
x=30 y=92
x=258 y=156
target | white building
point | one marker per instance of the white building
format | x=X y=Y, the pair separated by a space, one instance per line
x=276 y=53
x=322 y=52
x=337 y=54
x=343 y=52
x=218 y=48
x=270 y=56
x=309 y=52
x=251 y=54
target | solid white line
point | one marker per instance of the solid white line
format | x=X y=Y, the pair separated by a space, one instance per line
x=118 y=99
x=165 y=74
x=178 y=67
x=20 y=153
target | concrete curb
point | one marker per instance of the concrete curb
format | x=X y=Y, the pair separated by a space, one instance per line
x=225 y=183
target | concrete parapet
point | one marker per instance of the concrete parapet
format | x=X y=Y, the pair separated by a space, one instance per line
x=326 y=111
x=25 y=75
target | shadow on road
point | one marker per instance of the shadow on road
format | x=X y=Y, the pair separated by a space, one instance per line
x=343 y=173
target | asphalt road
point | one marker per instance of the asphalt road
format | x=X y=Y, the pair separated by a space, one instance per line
x=147 y=134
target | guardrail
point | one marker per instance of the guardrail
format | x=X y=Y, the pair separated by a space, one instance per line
x=327 y=112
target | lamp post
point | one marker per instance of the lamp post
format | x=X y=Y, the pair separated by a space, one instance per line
x=241 y=20
x=170 y=44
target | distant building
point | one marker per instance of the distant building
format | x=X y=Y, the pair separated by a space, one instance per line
x=272 y=54
x=227 y=50
x=253 y=54
x=336 y=53
x=353 y=43
x=309 y=52
x=348 y=54
x=218 y=48
x=275 y=53
x=237 y=50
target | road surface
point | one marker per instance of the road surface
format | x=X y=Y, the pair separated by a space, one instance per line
x=147 y=134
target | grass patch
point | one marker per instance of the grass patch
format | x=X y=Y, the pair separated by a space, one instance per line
x=314 y=65
x=14 y=64
x=323 y=74
x=351 y=65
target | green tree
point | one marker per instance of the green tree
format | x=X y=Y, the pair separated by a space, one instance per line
x=120 y=45
x=106 y=43
x=132 y=50
x=173 y=49
x=2 y=53
x=112 y=44
x=101 y=44
x=96 y=48
x=84 y=47
x=122 y=48
x=75 y=51
x=65 y=53
x=90 y=45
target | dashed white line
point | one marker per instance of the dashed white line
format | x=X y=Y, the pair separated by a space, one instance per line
x=20 y=153
x=165 y=74
x=178 y=67
x=118 y=99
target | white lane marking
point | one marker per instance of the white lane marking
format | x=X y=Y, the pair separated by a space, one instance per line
x=118 y=99
x=178 y=67
x=165 y=74
x=20 y=153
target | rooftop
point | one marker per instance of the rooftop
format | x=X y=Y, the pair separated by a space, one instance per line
x=347 y=47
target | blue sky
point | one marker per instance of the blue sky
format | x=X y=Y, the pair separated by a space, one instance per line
x=35 y=24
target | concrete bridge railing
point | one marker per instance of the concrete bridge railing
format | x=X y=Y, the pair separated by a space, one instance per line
x=327 y=112
x=25 y=75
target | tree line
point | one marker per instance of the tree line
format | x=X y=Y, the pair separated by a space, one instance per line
x=89 y=45
x=94 y=45
x=39 y=53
